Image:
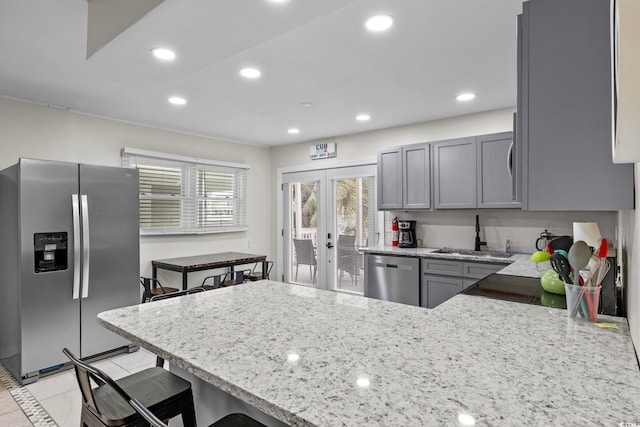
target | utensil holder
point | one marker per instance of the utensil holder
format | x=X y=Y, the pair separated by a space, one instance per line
x=583 y=299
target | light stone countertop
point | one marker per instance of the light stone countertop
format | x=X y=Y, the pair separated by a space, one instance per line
x=516 y=265
x=365 y=362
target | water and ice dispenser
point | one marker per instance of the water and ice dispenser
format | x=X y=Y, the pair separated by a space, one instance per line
x=50 y=251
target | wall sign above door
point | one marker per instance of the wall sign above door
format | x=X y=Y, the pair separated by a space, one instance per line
x=323 y=151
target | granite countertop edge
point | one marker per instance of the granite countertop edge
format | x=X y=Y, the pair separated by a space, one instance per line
x=518 y=264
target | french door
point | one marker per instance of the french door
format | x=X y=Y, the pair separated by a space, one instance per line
x=326 y=216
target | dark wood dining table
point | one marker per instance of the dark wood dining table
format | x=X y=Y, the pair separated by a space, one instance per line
x=188 y=264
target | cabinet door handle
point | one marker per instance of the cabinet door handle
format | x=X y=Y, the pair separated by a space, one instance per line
x=392 y=266
x=75 y=209
x=510 y=160
x=513 y=161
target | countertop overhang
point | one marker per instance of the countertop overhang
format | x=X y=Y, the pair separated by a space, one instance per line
x=368 y=362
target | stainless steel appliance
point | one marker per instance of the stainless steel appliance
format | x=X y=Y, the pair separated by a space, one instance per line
x=407 y=237
x=70 y=249
x=391 y=278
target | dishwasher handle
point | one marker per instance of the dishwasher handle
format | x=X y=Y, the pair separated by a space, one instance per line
x=406 y=267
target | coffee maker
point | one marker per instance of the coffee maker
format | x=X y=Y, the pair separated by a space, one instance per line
x=407 y=234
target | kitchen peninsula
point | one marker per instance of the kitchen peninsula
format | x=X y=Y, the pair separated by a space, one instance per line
x=310 y=357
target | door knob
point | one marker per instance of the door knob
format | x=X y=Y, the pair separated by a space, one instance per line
x=329 y=245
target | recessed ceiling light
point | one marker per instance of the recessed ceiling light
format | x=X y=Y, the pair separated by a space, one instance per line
x=163 y=53
x=363 y=117
x=176 y=100
x=250 y=73
x=379 y=23
x=293 y=131
x=466 y=96
x=307 y=104
x=278 y=1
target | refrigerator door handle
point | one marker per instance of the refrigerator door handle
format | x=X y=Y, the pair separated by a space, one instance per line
x=75 y=207
x=85 y=246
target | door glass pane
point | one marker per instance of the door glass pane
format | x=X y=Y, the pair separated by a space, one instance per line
x=352 y=229
x=304 y=232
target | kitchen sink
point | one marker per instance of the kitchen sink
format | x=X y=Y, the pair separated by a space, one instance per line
x=492 y=254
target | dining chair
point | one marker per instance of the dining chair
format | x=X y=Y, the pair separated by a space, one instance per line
x=305 y=255
x=178 y=294
x=231 y=420
x=222 y=280
x=257 y=275
x=149 y=291
x=348 y=257
x=165 y=394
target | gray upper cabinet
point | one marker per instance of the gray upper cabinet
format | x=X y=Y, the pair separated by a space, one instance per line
x=497 y=171
x=390 y=178
x=454 y=168
x=404 y=177
x=416 y=179
x=564 y=108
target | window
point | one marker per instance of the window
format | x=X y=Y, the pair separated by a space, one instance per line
x=183 y=195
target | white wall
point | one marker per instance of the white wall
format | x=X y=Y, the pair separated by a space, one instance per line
x=30 y=130
x=456 y=228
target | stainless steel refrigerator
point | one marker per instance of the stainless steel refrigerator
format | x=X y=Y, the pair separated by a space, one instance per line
x=69 y=249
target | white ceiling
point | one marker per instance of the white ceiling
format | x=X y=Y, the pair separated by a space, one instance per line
x=308 y=50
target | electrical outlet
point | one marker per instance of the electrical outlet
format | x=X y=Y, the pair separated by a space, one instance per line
x=249 y=244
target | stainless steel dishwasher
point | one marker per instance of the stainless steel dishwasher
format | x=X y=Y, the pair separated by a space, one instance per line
x=392 y=278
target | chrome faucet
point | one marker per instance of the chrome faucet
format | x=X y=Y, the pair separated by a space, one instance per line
x=478 y=242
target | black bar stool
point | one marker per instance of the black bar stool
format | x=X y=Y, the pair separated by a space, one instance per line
x=164 y=393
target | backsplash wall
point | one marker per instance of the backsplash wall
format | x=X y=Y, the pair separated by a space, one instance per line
x=456 y=228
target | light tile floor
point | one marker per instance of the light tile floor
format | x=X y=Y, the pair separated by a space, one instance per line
x=59 y=394
x=10 y=412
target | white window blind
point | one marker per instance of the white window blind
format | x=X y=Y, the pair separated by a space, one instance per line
x=183 y=195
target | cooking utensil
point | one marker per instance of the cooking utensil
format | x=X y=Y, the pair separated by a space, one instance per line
x=562 y=242
x=603 y=248
x=593 y=267
x=602 y=272
x=560 y=265
x=579 y=256
x=562 y=252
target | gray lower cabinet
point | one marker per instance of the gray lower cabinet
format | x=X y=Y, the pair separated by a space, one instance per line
x=392 y=278
x=454 y=168
x=443 y=279
x=565 y=108
x=404 y=177
x=437 y=289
